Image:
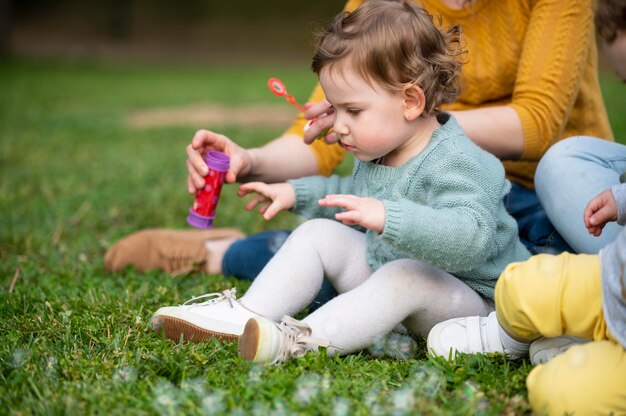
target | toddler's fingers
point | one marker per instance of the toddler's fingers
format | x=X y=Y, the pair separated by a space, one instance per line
x=256 y=200
x=271 y=211
x=246 y=188
x=342 y=201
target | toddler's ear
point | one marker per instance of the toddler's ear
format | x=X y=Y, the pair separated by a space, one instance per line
x=414 y=102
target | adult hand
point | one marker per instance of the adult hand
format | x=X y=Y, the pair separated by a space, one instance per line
x=366 y=212
x=271 y=198
x=322 y=124
x=204 y=141
x=599 y=212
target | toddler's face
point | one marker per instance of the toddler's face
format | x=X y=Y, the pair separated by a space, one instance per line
x=369 y=120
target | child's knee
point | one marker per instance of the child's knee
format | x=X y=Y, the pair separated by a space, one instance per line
x=318 y=227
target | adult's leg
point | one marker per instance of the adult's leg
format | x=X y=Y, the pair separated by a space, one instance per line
x=586 y=379
x=403 y=291
x=534 y=227
x=570 y=174
x=294 y=275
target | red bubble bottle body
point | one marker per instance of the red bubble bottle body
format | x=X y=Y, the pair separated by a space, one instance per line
x=202 y=213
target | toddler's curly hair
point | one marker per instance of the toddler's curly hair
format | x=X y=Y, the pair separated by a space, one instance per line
x=396 y=44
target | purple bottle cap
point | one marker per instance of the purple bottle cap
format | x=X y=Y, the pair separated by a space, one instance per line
x=217 y=161
x=199 y=221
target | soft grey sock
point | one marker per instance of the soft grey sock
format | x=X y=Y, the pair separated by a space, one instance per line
x=513 y=347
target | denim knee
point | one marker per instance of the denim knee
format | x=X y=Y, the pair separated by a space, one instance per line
x=245 y=258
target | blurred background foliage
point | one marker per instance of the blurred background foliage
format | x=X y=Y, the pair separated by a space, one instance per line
x=156 y=30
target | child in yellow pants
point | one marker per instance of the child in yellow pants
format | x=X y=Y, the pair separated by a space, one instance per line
x=551 y=296
x=547 y=300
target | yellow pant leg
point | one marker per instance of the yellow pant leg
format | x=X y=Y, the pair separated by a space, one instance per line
x=588 y=379
x=550 y=296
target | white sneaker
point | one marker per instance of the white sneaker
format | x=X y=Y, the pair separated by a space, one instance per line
x=222 y=317
x=543 y=350
x=265 y=341
x=471 y=335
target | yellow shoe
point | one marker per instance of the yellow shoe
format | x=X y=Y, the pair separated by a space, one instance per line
x=175 y=251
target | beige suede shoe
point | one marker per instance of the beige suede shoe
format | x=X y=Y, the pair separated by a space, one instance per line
x=177 y=252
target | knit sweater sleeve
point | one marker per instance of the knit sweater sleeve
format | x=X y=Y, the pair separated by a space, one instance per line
x=554 y=55
x=456 y=228
x=312 y=188
x=619 y=194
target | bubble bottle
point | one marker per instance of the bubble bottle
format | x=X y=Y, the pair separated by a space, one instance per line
x=202 y=213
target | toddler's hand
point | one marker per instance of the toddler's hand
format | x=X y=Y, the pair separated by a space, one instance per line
x=599 y=212
x=366 y=212
x=271 y=198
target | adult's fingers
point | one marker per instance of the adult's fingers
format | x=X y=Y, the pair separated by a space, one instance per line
x=317 y=128
x=194 y=177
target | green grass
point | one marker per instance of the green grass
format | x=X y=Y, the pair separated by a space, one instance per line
x=74 y=178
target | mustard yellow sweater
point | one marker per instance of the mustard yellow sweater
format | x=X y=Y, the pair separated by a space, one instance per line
x=538 y=56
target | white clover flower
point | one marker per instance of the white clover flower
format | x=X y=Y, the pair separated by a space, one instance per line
x=51 y=365
x=213 y=403
x=427 y=380
x=377 y=349
x=341 y=407
x=255 y=374
x=280 y=408
x=194 y=386
x=165 y=398
x=403 y=401
x=125 y=374
x=400 y=346
x=18 y=357
x=307 y=388
x=259 y=409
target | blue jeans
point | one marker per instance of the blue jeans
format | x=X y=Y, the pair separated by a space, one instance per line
x=570 y=174
x=246 y=258
x=534 y=227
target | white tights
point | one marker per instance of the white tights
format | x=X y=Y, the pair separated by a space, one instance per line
x=370 y=304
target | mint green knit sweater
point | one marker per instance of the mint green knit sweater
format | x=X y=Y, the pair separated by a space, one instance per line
x=443 y=207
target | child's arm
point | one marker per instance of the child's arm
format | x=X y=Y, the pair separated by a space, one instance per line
x=271 y=199
x=610 y=205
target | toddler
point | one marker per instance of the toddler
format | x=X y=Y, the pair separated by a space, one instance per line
x=416 y=235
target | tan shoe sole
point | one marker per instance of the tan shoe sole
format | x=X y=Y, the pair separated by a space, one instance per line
x=174 y=328
x=249 y=340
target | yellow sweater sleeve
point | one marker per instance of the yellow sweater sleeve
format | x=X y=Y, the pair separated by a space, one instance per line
x=328 y=156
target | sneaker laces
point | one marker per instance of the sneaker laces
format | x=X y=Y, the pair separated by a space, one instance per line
x=296 y=336
x=228 y=294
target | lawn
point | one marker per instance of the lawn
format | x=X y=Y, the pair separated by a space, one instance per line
x=75 y=176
